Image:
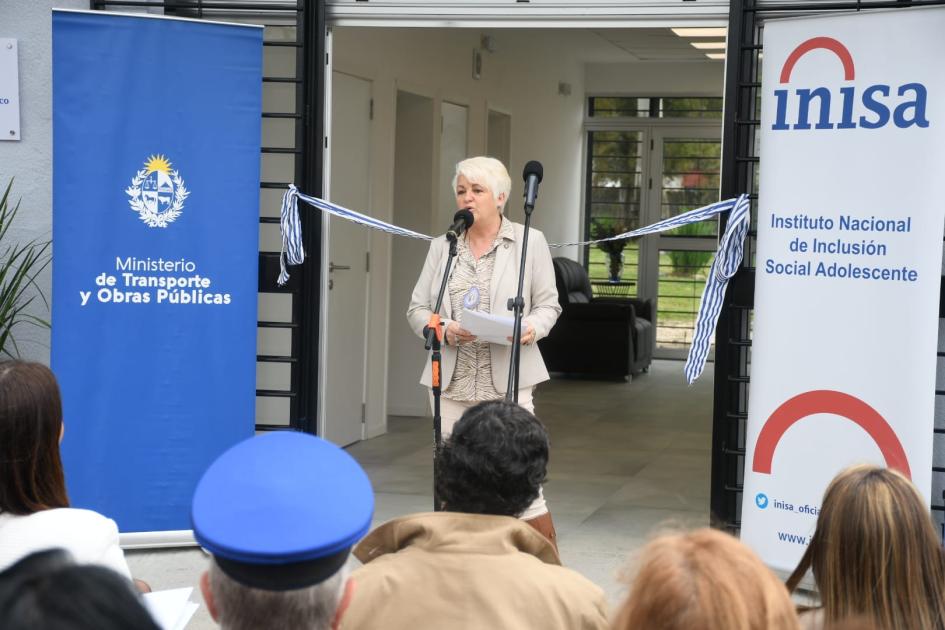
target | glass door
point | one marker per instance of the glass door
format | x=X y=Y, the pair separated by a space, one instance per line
x=684 y=175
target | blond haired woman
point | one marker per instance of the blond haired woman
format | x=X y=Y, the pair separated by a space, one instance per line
x=704 y=579
x=875 y=554
x=484 y=276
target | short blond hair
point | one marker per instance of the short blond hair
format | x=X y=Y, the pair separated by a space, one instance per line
x=488 y=172
x=704 y=579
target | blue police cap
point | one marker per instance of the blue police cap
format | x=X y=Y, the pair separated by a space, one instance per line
x=281 y=511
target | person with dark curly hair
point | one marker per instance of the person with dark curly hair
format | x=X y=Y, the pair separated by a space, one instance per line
x=499 y=432
x=476 y=564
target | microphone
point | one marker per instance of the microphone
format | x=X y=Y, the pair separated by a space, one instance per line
x=532 y=175
x=462 y=221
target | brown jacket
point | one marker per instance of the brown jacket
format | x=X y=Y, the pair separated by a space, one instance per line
x=448 y=571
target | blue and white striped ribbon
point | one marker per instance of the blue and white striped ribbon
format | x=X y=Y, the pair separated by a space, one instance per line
x=291 y=227
x=726 y=263
x=292 y=253
x=693 y=216
x=727 y=260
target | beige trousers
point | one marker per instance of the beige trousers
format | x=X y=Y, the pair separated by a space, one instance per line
x=452 y=410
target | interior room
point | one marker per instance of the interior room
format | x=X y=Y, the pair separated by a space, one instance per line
x=408 y=103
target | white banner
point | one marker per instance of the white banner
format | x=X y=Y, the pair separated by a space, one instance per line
x=848 y=263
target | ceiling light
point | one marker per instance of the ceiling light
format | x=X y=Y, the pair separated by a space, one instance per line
x=701 y=32
x=715 y=55
x=709 y=45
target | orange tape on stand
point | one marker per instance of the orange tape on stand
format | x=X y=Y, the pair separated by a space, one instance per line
x=434 y=324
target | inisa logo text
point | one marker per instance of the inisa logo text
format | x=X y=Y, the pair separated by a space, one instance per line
x=906 y=108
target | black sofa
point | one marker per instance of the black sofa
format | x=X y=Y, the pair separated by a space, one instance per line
x=597 y=337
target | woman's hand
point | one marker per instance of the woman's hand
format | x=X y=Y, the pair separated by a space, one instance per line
x=528 y=334
x=456 y=334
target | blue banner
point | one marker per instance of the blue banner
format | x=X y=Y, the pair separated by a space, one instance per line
x=156 y=149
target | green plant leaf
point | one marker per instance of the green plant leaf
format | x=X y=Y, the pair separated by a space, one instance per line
x=20 y=264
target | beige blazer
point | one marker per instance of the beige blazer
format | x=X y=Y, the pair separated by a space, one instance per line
x=453 y=571
x=541 y=305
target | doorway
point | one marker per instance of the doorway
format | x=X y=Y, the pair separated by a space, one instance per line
x=453 y=128
x=685 y=165
x=413 y=209
x=499 y=141
x=346 y=347
x=431 y=109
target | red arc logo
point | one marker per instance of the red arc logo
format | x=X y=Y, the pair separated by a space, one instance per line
x=836 y=403
x=826 y=43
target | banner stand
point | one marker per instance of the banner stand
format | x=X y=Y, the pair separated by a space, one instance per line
x=848 y=264
x=156 y=143
x=157 y=540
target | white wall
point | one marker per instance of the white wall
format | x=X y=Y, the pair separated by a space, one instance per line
x=521 y=79
x=29 y=160
x=656 y=78
x=453 y=148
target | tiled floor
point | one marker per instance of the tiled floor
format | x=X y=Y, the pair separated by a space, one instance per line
x=627 y=459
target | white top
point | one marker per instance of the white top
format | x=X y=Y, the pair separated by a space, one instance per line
x=90 y=537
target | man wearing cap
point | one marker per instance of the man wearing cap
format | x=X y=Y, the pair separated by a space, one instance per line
x=279 y=514
x=475 y=564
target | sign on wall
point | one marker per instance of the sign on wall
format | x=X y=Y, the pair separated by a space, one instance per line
x=156 y=140
x=849 y=258
x=9 y=90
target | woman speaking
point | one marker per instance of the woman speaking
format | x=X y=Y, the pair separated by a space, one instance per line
x=483 y=278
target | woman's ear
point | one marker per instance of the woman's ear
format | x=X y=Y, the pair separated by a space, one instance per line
x=500 y=201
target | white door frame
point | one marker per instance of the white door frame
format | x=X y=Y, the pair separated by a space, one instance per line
x=326 y=241
x=544 y=14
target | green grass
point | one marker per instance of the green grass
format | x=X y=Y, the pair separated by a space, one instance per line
x=680 y=288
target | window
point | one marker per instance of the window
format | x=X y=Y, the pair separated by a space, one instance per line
x=654 y=107
x=615 y=177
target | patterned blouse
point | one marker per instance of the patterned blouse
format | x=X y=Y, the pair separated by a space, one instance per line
x=468 y=287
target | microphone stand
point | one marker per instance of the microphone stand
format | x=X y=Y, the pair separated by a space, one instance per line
x=433 y=335
x=517 y=305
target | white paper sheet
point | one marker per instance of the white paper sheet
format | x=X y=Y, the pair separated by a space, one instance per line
x=491 y=328
x=172 y=608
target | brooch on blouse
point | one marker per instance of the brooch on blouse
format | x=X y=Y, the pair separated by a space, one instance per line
x=471 y=299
